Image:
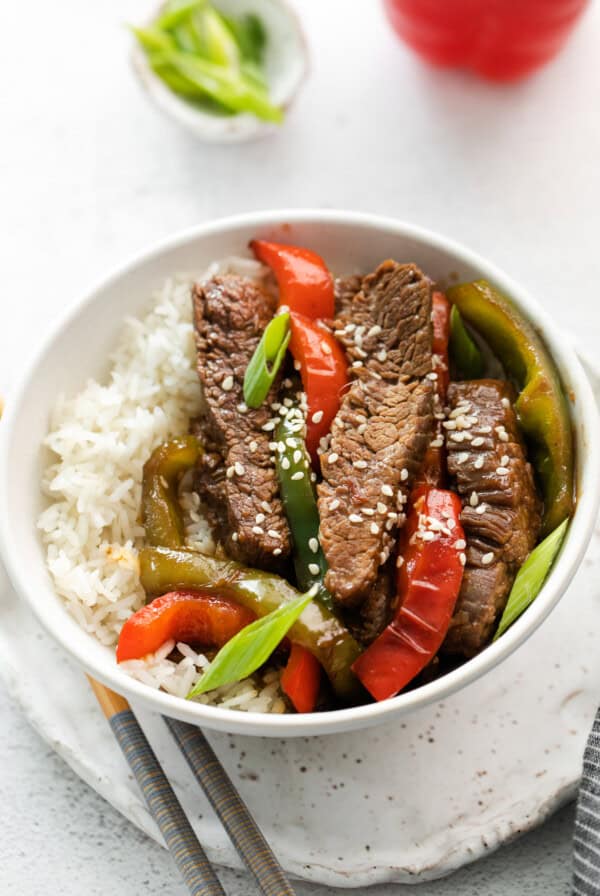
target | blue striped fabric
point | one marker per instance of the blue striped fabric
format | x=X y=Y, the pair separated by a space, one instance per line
x=586 y=840
x=166 y=810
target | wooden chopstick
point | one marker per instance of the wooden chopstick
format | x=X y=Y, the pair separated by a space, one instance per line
x=164 y=806
x=235 y=816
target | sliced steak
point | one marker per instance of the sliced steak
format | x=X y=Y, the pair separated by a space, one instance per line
x=236 y=477
x=501 y=509
x=381 y=432
x=345 y=288
x=368 y=621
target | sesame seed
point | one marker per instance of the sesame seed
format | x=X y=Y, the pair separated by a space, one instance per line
x=313 y=477
x=350 y=328
x=297 y=456
x=383 y=556
x=450 y=424
x=502 y=434
x=481 y=509
x=242 y=407
x=239 y=468
x=403 y=474
x=387 y=490
x=235 y=537
x=230 y=472
x=272 y=533
x=437 y=443
x=457 y=436
x=382 y=355
x=504 y=460
x=460 y=544
x=463 y=558
x=297 y=476
x=313 y=545
x=360 y=464
x=474 y=499
x=360 y=352
x=375 y=330
x=277 y=552
x=477 y=442
x=462 y=456
x=227 y=383
x=505 y=402
x=285 y=463
x=399 y=561
x=485 y=429
x=357 y=363
x=432 y=376
x=297 y=365
x=427 y=535
x=478 y=463
x=332 y=457
x=258 y=530
x=486 y=559
x=269 y=426
x=325 y=347
x=392 y=515
x=361 y=429
x=368 y=511
x=333 y=505
x=260 y=517
x=502 y=471
x=451 y=525
x=355 y=518
x=314 y=569
x=317 y=416
x=374 y=529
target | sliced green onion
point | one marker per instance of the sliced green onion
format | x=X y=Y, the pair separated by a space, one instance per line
x=226 y=85
x=251 y=647
x=531 y=577
x=215 y=40
x=153 y=39
x=176 y=11
x=266 y=360
x=464 y=352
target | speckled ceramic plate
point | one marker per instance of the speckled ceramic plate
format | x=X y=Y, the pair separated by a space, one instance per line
x=405 y=801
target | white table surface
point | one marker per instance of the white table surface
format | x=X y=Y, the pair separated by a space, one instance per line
x=90 y=173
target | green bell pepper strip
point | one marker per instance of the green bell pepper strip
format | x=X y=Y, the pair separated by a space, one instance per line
x=300 y=505
x=464 y=353
x=163 y=570
x=541 y=406
x=161 y=514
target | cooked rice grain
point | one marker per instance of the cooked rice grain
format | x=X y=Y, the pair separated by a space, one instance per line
x=100 y=440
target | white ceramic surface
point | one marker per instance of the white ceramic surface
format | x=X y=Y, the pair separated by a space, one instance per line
x=348 y=242
x=286 y=62
x=407 y=801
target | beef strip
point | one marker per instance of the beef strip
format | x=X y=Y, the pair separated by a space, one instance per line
x=380 y=434
x=368 y=621
x=236 y=477
x=501 y=512
x=345 y=288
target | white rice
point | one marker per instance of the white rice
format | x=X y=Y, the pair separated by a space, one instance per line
x=100 y=440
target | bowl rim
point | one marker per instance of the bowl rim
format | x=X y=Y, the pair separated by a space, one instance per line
x=332 y=721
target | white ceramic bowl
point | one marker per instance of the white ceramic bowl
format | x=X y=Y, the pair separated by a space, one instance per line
x=286 y=63
x=78 y=347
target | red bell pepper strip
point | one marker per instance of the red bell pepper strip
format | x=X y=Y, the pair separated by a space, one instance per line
x=305 y=283
x=323 y=369
x=429 y=580
x=500 y=40
x=433 y=471
x=301 y=679
x=189 y=616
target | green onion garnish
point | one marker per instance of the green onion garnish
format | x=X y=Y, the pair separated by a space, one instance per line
x=251 y=647
x=266 y=360
x=212 y=60
x=531 y=577
x=464 y=352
